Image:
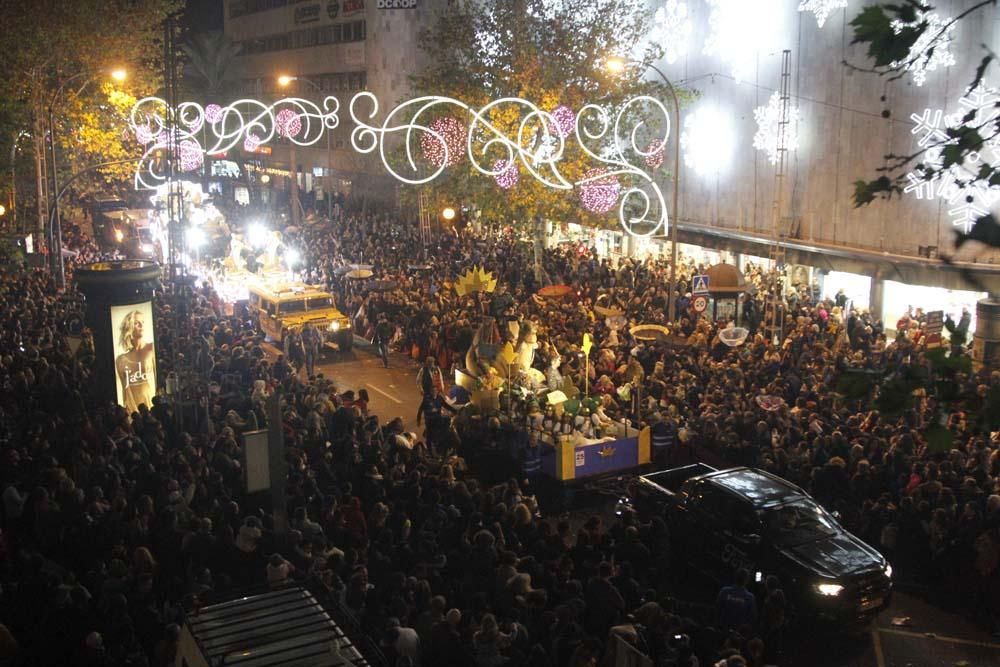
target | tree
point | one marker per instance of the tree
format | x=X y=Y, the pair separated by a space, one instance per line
x=48 y=44
x=900 y=36
x=550 y=53
x=209 y=74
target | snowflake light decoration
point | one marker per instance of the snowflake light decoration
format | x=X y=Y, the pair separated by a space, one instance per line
x=599 y=191
x=213 y=113
x=768 y=119
x=740 y=29
x=654 y=154
x=821 y=8
x=919 y=61
x=288 y=123
x=672 y=29
x=451 y=132
x=707 y=140
x=968 y=201
x=507 y=174
x=565 y=121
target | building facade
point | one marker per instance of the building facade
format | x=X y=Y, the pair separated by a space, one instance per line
x=336 y=48
x=845 y=120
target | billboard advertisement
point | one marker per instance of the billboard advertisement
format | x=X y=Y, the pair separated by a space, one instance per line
x=135 y=354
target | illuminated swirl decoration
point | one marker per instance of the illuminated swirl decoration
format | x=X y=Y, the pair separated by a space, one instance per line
x=529 y=139
x=214 y=129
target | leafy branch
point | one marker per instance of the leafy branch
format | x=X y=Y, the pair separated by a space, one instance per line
x=891 y=49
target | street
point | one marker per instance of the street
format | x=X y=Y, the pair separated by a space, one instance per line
x=393 y=391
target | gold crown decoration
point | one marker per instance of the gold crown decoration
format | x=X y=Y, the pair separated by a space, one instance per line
x=475 y=279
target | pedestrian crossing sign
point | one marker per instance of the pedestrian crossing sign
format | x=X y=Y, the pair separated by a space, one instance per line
x=699 y=284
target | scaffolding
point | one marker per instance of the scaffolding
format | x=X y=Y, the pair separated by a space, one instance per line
x=780 y=228
x=425 y=214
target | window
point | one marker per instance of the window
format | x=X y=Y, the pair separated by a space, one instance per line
x=297 y=306
x=320 y=302
x=339 y=33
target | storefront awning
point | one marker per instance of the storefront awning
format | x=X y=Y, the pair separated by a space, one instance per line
x=831 y=257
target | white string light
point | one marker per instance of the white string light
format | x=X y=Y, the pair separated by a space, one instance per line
x=821 y=8
x=537 y=145
x=922 y=58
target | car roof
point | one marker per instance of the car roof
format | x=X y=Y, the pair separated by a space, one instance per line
x=288 y=291
x=757 y=486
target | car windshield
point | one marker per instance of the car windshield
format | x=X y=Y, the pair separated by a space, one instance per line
x=317 y=302
x=797 y=522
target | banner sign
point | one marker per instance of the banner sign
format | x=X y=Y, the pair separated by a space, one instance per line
x=135 y=354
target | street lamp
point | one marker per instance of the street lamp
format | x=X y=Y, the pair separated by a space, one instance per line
x=284 y=80
x=55 y=227
x=448 y=213
x=618 y=65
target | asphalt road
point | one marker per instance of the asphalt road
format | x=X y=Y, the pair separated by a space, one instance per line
x=934 y=637
x=393 y=391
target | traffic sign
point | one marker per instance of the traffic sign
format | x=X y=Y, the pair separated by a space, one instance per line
x=699 y=303
x=699 y=284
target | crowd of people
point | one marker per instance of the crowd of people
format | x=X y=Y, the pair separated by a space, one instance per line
x=116 y=526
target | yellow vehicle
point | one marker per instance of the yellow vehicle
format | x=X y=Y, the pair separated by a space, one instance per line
x=282 y=307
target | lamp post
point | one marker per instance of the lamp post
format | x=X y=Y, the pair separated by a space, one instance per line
x=284 y=80
x=618 y=65
x=55 y=226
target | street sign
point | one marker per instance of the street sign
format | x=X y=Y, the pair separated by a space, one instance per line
x=699 y=303
x=934 y=322
x=699 y=284
x=933 y=325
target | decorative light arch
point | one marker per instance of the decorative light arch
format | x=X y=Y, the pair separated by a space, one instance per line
x=617 y=140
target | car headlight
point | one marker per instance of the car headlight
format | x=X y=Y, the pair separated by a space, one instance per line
x=829 y=589
x=334 y=326
x=888 y=570
x=147 y=247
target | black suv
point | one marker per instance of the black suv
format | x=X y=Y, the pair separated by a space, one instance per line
x=743 y=518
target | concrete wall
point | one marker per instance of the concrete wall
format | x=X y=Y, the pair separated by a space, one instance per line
x=843 y=136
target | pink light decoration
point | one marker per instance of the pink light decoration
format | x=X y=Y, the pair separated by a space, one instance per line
x=453 y=133
x=565 y=120
x=191 y=155
x=251 y=143
x=654 y=157
x=601 y=194
x=213 y=113
x=144 y=135
x=507 y=174
x=288 y=123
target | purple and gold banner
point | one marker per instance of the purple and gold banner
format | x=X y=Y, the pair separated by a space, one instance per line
x=566 y=462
